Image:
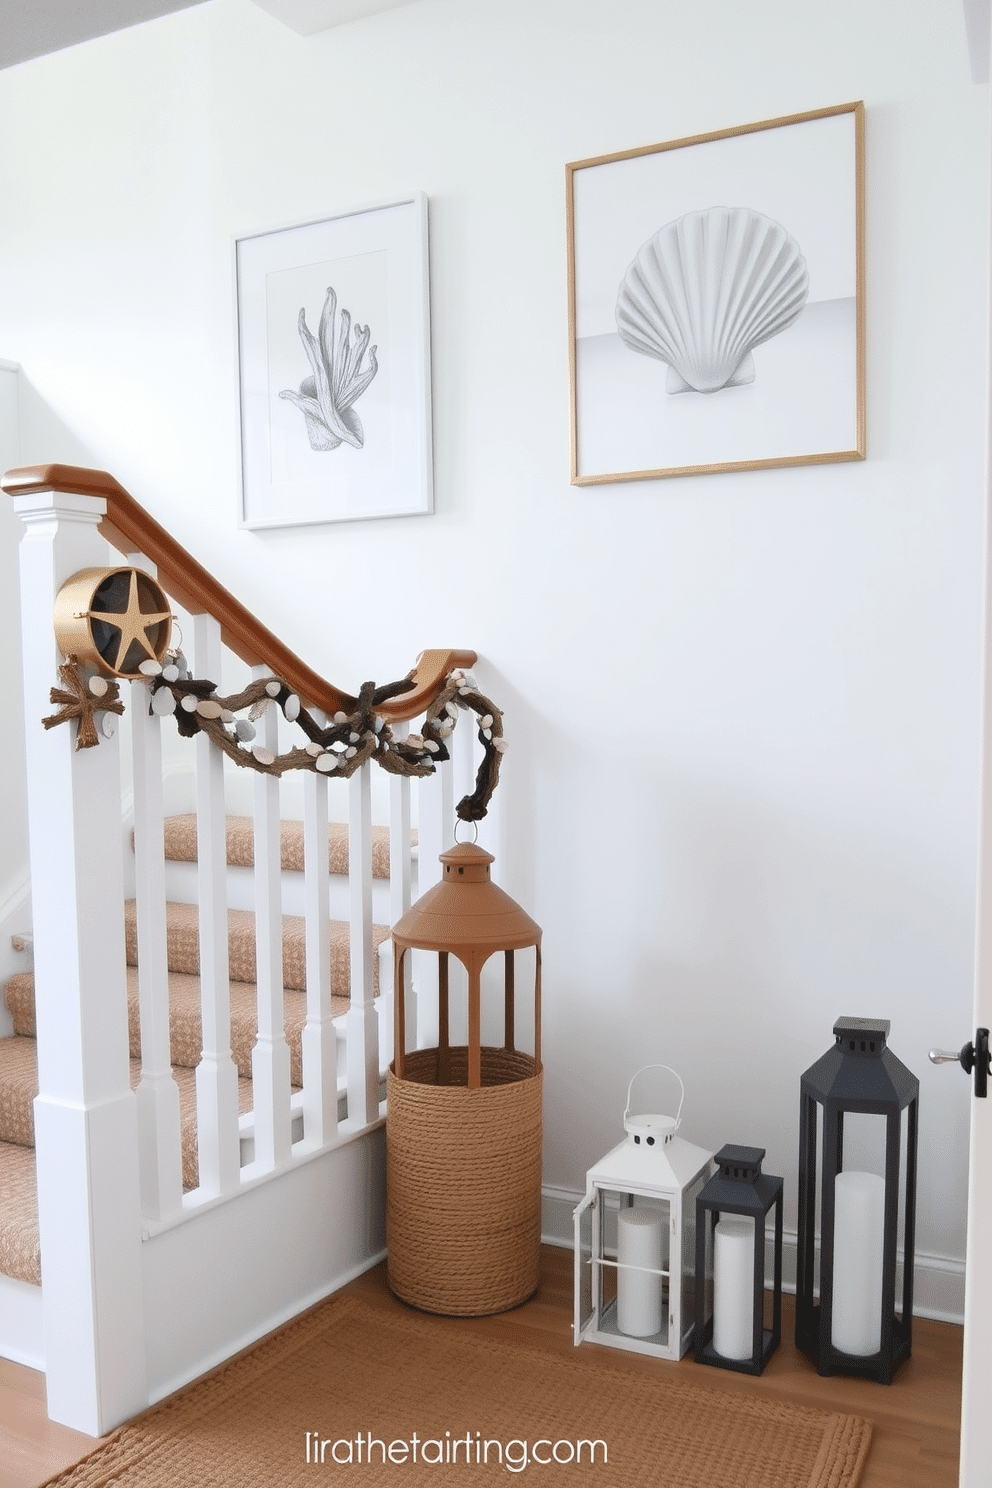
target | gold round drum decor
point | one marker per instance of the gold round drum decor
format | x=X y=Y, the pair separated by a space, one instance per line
x=113 y=619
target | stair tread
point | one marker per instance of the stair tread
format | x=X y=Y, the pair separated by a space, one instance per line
x=180 y=844
x=20 y=1247
x=20 y=1254
x=19 y=1086
x=184 y=1015
x=20 y=1244
x=183 y=936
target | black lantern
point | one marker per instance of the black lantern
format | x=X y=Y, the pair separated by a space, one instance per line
x=854 y=1328
x=731 y=1214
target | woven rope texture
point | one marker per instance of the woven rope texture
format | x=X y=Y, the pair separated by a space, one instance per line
x=463 y=1183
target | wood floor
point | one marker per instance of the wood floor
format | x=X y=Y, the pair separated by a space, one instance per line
x=916 y=1419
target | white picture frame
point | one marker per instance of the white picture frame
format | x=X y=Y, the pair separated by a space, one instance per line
x=333 y=325
x=650 y=233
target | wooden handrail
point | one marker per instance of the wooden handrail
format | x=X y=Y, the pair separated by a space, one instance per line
x=130 y=529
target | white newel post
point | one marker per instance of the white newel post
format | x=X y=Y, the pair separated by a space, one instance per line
x=85 y=1114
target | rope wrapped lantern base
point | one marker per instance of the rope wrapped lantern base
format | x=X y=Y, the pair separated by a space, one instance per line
x=463 y=1182
x=463 y=1129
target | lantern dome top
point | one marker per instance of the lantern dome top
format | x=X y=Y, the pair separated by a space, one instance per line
x=668 y=1166
x=466 y=913
x=650 y=1128
x=864 y=1037
x=860 y=1072
x=740 y=1164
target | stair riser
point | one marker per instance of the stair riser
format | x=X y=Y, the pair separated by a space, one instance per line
x=181 y=888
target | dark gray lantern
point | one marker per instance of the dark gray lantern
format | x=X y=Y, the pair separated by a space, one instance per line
x=731 y=1214
x=854 y=1328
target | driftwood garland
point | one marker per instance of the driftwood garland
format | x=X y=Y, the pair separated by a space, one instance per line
x=81 y=700
x=337 y=748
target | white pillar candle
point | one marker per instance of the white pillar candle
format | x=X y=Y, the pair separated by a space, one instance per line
x=639 y=1295
x=859 y=1217
x=733 y=1288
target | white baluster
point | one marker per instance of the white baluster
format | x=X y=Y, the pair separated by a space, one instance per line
x=462 y=744
x=436 y=828
x=270 y=1056
x=216 y=1074
x=86 y=1128
x=159 y=1127
x=436 y=822
x=400 y=879
x=362 y=1020
x=320 y=1043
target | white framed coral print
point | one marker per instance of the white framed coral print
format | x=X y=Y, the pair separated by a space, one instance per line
x=716 y=301
x=334 y=368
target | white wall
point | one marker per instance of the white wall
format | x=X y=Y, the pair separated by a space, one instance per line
x=15 y=911
x=741 y=795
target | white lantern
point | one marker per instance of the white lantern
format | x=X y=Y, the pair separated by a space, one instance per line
x=635 y=1237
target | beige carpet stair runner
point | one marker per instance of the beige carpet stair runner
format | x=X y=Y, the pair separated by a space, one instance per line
x=19 y=1248
x=180 y=844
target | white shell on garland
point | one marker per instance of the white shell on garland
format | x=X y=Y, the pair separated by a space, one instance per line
x=705 y=290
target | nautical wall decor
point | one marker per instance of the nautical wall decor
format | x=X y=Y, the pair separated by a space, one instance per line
x=716 y=301
x=757 y=284
x=334 y=360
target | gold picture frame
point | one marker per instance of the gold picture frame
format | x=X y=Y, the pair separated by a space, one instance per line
x=685 y=257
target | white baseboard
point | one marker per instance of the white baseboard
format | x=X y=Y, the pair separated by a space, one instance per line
x=22 y=1331
x=938 y=1287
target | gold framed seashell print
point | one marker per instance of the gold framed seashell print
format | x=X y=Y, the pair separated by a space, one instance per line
x=716 y=301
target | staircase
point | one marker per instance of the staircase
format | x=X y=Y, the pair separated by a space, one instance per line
x=208 y=1128
x=19 y=1244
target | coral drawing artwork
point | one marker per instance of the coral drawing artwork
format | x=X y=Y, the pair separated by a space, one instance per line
x=338 y=379
x=708 y=288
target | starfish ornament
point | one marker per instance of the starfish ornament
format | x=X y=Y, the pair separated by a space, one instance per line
x=78 y=702
x=132 y=623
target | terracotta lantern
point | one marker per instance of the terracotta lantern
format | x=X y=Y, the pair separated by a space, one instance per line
x=635 y=1237
x=463 y=1131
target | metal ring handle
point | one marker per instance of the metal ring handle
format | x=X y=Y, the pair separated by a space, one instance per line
x=668 y=1067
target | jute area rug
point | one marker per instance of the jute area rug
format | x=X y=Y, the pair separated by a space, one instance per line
x=349 y=1395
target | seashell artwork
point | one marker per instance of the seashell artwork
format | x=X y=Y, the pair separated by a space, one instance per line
x=338 y=380
x=705 y=290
